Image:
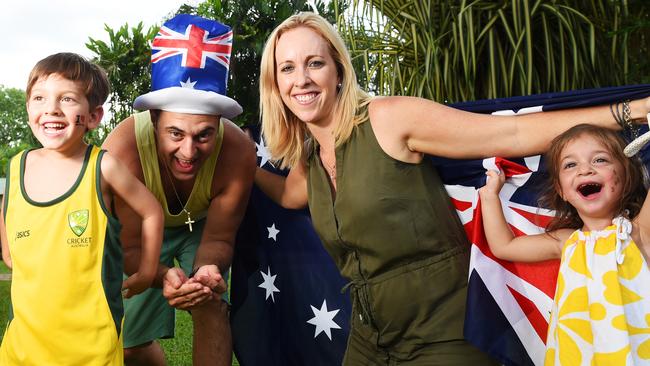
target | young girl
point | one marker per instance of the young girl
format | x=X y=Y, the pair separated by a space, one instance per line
x=601 y=309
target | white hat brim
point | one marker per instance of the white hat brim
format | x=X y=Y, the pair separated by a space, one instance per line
x=191 y=101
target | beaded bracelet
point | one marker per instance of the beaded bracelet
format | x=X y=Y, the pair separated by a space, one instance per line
x=627 y=119
x=623 y=116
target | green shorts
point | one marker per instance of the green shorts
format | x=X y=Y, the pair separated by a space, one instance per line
x=147 y=316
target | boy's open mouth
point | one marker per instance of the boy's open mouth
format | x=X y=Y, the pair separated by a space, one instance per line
x=588 y=189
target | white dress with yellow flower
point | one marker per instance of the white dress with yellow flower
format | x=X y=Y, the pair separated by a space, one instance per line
x=601 y=311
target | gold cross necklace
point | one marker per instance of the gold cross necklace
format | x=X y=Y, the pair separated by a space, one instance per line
x=189 y=221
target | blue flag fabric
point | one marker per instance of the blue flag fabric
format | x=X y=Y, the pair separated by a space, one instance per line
x=287 y=305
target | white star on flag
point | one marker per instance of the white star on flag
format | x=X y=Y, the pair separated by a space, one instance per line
x=323 y=320
x=263 y=152
x=273 y=232
x=188 y=84
x=268 y=284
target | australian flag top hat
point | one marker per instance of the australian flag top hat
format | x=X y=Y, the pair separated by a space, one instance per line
x=190 y=57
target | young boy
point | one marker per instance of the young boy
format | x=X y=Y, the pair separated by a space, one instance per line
x=58 y=233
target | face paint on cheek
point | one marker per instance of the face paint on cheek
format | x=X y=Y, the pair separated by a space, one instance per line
x=81 y=120
x=617 y=181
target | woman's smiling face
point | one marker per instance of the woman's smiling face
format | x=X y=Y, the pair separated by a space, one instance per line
x=306 y=75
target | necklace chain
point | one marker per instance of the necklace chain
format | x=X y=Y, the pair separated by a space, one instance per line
x=189 y=221
x=331 y=169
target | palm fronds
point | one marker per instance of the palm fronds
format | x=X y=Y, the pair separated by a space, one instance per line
x=464 y=50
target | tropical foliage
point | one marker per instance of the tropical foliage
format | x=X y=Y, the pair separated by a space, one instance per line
x=464 y=50
x=126 y=60
x=14 y=127
x=15 y=134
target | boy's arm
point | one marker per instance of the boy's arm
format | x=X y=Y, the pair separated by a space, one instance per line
x=503 y=244
x=6 y=256
x=123 y=184
x=121 y=144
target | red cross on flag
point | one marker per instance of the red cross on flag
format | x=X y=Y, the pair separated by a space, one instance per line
x=194 y=46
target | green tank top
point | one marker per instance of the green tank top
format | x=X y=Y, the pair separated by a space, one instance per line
x=199 y=199
x=393 y=231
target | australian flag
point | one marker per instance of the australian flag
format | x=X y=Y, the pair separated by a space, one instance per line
x=288 y=308
x=188 y=50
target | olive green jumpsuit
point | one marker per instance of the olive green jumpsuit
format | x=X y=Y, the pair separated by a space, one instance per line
x=393 y=232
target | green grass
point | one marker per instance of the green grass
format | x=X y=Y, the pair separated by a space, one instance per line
x=178 y=350
x=4 y=305
x=4 y=300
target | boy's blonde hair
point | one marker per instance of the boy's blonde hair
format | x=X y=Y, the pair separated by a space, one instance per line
x=76 y=68
x=634 y=192
x=283 y=132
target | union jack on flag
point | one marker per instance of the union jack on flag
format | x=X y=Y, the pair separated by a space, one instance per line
x=508 y=303
x=194 y=45
x=191 y=52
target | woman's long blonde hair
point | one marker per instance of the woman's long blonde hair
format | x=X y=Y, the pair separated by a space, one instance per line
x=284 y=134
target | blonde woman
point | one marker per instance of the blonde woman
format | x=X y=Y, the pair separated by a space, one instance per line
x=380 y=210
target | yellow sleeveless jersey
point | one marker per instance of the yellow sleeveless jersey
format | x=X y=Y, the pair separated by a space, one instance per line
x=67 y=273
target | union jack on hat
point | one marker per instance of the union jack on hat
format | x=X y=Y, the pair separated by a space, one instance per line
x=190 y=57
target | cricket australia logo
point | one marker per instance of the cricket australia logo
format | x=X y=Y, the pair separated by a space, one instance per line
x=78 y=221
